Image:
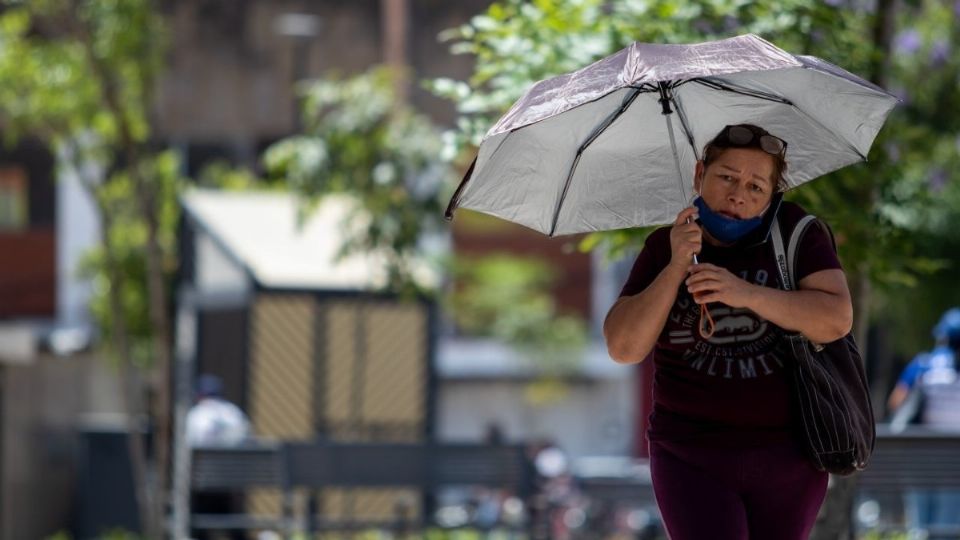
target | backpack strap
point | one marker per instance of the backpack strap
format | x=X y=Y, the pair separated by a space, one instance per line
x=787 y=258
x=794 y=244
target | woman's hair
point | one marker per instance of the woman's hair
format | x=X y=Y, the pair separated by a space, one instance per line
x=721 y=142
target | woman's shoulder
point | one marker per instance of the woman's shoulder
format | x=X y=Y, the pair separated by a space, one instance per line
x=816 y=243
x=658 y=238
x=790 y=213
x=661 y=233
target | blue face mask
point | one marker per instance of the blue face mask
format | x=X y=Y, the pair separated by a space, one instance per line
x=724 y=229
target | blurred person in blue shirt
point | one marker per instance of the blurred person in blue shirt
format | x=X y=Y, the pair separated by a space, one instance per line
x=941 y=361
x=929 y=389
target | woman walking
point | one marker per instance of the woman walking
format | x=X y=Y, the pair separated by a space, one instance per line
x=723 y=453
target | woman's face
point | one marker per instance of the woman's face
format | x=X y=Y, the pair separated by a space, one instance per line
x=738 y=184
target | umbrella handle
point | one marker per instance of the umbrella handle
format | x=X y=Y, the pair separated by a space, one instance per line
x=707 y=326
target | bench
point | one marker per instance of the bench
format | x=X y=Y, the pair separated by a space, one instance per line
x=916 y=458
x=234 y=470
x=617 y=484
x=424 y=467
x=315 y=466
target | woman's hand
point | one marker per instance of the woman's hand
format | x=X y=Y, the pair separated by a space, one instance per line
x=685 y=238
x=710 y=283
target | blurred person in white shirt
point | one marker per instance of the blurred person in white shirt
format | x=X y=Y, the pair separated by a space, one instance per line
x=214 y=421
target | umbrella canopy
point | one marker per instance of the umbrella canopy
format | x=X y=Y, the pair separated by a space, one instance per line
x=613 y=145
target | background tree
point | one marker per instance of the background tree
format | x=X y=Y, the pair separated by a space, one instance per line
x=360 y=139
x=516 y=43
x=508 y=298
x=80 y=74
x=892 y=215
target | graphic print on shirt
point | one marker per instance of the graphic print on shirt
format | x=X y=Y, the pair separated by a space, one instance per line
x=739 y=347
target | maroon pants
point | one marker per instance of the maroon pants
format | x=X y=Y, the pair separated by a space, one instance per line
x=769 y=492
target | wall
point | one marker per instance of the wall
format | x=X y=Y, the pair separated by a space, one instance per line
x=42 y=406
x=229 y=88
x=595 y=418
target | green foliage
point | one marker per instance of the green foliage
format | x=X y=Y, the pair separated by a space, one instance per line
x=126 y=238
x=80 y=74
x=59 y=59
x=220 y=174
x=889 y=214
x=112 y=534
x=359 y=140
x=508 y=298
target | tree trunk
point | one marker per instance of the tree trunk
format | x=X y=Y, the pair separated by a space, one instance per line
x=128 y=379
x=154 y=486
x=835 y=519
x=145 y=193
x=161 y=344
x=395 y=26
x=130 y=386
x=160 y=322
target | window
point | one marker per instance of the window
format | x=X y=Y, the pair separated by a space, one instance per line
x=14 y=200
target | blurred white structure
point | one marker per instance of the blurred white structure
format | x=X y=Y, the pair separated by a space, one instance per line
x=245 y=240
x=484 y=383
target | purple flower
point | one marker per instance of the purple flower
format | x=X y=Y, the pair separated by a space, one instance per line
x=956 y=8
x=937 y=180
x=893 y=152
x=901 y=94
x=939 y=53
x=731 y=23
x=838 y=3
x=704 y=27
x=907 y=42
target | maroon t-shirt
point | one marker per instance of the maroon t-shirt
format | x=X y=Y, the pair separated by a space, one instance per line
x=730 y=388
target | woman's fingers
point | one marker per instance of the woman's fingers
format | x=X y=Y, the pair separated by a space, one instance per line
x=685 y=237
x=704 y=267
x=706 y=298
x=711 y=285
x=705 y=278
x=689 y=212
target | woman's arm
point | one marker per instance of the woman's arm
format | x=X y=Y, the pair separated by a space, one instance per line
x=820 y=309
x=634 y=322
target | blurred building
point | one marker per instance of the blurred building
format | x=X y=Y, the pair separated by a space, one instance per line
x=229 y=94
x=300 y=336
x=229 y=90
x=486 y=383
x=51 y=385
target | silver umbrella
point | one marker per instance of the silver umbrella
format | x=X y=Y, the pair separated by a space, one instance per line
x=613 y=145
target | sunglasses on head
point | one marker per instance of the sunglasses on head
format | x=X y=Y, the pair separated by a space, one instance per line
x=742 y=136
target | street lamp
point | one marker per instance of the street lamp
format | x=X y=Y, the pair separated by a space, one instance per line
x=301 y=28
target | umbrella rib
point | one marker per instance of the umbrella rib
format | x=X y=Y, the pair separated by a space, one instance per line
x=458 y=194
x=742 y=91
x=576 y=160
x=686 y=127
x=847 y=143
x=645 y=87
x=778 y=99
